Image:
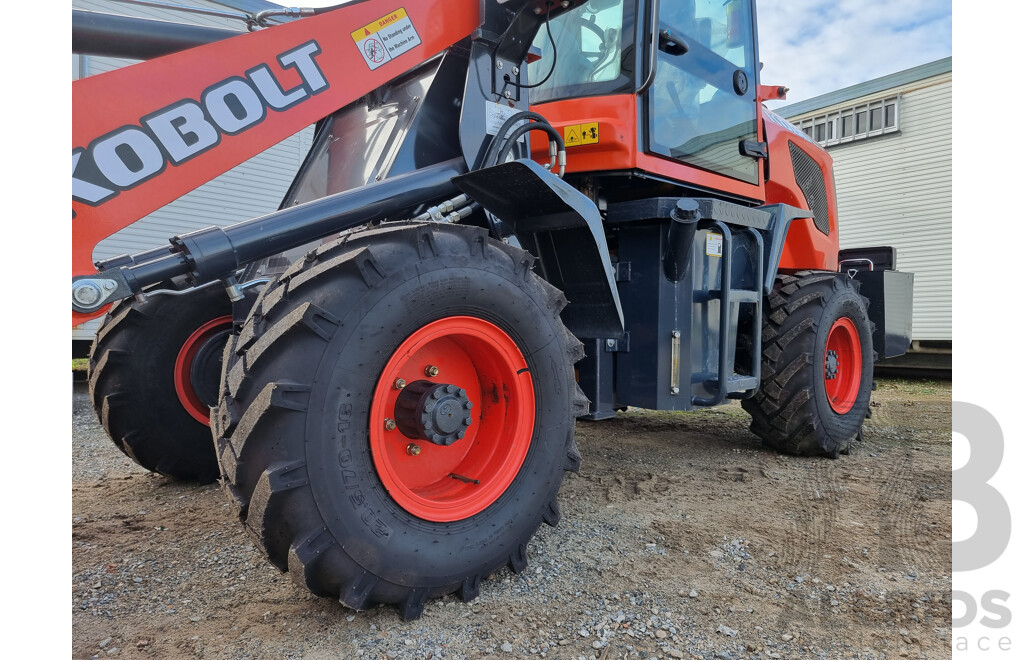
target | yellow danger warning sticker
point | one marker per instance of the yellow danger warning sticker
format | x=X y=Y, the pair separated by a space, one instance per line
x=386 y=38
x=578 y=134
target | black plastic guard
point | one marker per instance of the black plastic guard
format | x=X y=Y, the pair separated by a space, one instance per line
x=775 y=238
x=562 y=228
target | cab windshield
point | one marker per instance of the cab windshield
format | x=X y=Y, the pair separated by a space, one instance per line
x=590 y=49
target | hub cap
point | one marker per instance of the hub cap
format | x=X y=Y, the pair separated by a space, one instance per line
x=842 y=365
x=473 y=422
x=435 y=412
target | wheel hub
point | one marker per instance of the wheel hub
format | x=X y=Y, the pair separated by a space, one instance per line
x=435 y=412
x=831 y=365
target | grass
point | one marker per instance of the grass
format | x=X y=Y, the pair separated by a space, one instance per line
x=79 y=364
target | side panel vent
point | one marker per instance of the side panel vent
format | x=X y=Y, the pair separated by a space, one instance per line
x=812 y=183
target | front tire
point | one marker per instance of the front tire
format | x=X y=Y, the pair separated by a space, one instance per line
x=817 y=365
x=316 y=435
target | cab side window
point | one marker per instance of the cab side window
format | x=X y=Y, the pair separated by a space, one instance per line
x=587 y=52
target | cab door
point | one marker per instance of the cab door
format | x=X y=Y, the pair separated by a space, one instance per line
x=701 y=107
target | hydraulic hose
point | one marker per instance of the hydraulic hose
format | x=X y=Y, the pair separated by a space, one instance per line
x=501 y=145
x=503 y=131
x=537 y=126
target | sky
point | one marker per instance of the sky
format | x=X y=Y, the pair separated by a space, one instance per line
x=818 y=46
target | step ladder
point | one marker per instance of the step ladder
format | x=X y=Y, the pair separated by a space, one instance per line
x=737 y=386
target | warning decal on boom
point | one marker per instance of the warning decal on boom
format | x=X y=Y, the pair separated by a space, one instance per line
x=386 y=38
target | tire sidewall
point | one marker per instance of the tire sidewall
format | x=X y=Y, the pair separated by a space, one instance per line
x=377 y=533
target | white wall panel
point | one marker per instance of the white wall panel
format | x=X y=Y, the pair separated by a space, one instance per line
x=897 y=190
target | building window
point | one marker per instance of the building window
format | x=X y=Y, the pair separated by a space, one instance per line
x=864 y=120
x=890 y=115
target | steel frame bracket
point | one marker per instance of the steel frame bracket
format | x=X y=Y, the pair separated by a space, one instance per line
x=620 y=345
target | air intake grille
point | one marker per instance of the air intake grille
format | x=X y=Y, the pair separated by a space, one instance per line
x=812 y=183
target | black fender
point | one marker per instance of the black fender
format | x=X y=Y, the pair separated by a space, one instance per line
x=562 y=227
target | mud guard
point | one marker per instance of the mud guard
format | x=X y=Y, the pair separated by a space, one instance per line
x=562 y=227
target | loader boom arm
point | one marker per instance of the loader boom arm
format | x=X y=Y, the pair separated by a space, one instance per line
x=148 y=133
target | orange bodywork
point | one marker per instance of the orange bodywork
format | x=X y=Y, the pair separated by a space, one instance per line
x=617 y=117
x=119 y=102
x=806 y=248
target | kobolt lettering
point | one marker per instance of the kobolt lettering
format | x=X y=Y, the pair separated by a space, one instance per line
x=180 y=131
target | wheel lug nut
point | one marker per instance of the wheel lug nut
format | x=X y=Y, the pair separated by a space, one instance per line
x=389 y=424
x=431 y=371
x=413 y=449
x=399 y=383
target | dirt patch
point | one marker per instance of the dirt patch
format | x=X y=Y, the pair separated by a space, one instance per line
x=680 y=537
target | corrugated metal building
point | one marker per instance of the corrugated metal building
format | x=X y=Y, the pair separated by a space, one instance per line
x=892 y=144
x=251 y=189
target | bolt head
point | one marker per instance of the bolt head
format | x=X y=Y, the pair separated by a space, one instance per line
x=389 y=424
x=675 y=334
x=675 y=390
x=86 y=293
x=431 y=371
x=508 y=94
x=515 y=70
x=499 y=65
x=399 y=383
x=110 y=285
x=610 y=343
x=413 y=449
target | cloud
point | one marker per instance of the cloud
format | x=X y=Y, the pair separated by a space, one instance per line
x=817 y=46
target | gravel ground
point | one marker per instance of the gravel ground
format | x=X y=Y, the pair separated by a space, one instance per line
x=680 y=538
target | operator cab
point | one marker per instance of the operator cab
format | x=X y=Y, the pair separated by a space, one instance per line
x=679 y=81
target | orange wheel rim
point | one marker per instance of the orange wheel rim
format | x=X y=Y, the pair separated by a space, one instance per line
x=447 y=483
x=196 y=343
x=842 y=365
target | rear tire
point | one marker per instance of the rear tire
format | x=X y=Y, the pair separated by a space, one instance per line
x=817 y=365
x=318 y=477
x=153 y=373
